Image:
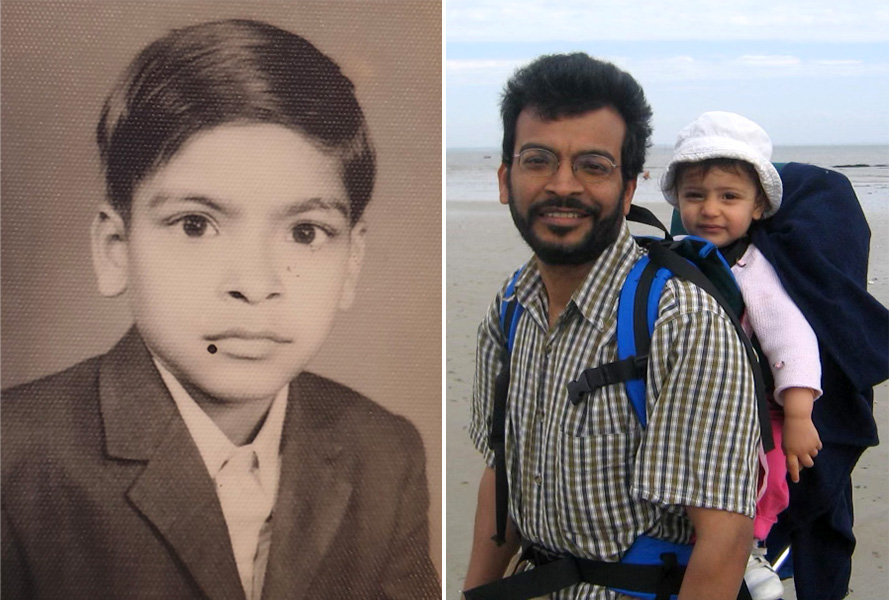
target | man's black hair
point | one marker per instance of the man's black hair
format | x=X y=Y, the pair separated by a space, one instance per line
x=569 y=85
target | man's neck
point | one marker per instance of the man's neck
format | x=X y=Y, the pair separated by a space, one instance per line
x=561 y=281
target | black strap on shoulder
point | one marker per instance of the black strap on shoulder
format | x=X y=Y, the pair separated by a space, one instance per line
x=497 y=435
x=682 y=268
x=734 y=251
x=594 y=378
x=497 y=442
x=641 y=332
x=640 y=214
x=633 y=367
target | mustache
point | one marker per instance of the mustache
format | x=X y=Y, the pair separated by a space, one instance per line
x=537 y=209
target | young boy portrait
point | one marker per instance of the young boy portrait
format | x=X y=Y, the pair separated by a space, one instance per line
x=202 y=456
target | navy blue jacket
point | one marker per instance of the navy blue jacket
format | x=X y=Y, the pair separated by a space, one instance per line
x=819 y=243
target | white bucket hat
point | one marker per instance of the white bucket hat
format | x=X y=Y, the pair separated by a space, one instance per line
x=725 y=135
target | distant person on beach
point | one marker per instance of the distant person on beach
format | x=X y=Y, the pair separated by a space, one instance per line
x=196 y=458
x=722 y=182
x=588 y=485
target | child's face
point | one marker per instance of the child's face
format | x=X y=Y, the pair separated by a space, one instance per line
x=241 y=241
x=718 y=205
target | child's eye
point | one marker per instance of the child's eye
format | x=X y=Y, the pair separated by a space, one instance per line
x=310 y=234
x=195 y=226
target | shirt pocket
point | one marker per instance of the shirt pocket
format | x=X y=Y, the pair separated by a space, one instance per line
x=592 y=489
x=604 y=411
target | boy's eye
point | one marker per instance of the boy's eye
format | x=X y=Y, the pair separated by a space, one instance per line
x=195 y=225
x=310 y=234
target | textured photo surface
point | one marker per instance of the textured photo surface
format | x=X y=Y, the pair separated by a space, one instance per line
x=59 y=62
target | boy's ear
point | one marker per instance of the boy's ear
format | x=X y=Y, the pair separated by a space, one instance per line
x=109 y=245
x=356 y=258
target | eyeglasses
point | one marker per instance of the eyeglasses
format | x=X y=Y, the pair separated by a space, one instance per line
x=537 y=162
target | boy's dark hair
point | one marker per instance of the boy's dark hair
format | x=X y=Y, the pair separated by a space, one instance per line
x=210 y=74
x=567 y=85
x=726 y=164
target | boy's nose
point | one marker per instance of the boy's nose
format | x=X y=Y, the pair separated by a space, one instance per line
x=253 y=278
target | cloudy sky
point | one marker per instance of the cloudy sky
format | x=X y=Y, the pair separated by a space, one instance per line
x=809 y=71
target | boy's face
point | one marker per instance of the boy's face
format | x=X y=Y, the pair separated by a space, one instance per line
x=718 y=204
x=242 y=244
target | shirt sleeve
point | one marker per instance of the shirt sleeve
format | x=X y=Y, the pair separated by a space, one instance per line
x=488 y=362
x=787 y=340
x=700 y=446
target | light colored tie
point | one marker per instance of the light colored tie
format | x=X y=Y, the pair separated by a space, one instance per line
x=246 y=507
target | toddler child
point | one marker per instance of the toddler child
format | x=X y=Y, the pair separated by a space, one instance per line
x=722 y=182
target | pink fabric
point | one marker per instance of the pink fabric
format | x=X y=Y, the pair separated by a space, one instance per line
x=787 y=339
x=774 y=494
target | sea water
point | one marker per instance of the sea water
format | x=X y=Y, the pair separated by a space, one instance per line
x=472 y=173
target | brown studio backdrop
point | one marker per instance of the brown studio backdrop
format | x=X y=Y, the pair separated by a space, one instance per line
x=59 y=59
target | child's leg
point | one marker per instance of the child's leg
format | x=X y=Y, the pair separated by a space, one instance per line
x=776 y=495
x=818 y=523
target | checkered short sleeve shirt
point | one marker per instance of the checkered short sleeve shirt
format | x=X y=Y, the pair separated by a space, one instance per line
x=587 y=479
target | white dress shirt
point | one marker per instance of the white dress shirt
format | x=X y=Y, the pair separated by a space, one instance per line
x=246 y=479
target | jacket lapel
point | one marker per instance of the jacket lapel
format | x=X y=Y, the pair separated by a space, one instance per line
x=314 y=492
x=174 y=491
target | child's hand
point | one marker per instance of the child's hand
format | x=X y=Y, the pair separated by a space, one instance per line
x=801 y=441
x=801 y=444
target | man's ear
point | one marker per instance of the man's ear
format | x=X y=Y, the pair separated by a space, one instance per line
x=356 y=258
x=503 y=180
x=109 y=244
x=629 y=192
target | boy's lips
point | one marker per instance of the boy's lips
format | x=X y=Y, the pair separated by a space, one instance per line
x=247 y=344
x=248 y=334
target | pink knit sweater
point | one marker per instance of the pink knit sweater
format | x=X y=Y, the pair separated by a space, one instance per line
x=787 y=340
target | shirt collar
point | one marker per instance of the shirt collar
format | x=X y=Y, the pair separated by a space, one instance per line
x=595 y=298
x=215 y=447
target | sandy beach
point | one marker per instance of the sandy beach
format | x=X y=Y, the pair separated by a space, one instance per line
x=483 y=248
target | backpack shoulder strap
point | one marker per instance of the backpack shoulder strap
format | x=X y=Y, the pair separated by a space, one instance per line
x=510 y=312
x=681 y=267
x=637 y=310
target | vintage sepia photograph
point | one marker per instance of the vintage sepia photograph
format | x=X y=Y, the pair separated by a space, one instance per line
x=221 y=299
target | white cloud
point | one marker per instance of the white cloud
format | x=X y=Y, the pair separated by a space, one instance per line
x=679 y=68
x=480 y=71
x=651 y=20
x=769 y=61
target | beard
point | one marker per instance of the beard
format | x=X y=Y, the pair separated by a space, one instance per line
x=602 y=234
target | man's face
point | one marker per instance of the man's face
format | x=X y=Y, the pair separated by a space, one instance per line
x=563 y=219
x=242 y=241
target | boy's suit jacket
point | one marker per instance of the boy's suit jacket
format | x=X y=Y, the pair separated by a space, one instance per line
x=104 y=494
